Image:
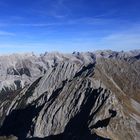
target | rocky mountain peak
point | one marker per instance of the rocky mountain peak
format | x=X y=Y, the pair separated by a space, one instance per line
x=78 y=96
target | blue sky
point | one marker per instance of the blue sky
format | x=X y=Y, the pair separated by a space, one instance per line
x=69 y=25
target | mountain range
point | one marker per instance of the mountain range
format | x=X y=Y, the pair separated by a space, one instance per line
x=78 y=96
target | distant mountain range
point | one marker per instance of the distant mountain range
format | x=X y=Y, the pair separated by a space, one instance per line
x=78 y=96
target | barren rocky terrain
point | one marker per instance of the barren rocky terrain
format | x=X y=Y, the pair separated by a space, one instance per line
x=78 y=96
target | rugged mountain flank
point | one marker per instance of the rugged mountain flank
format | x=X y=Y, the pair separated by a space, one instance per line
x=79 y=96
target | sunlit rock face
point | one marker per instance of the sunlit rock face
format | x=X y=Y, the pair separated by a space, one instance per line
x=79 y=96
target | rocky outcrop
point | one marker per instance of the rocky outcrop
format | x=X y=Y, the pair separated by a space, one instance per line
x=80 y=96
x=19 y=70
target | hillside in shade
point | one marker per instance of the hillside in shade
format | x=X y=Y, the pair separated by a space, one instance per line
x=78 y=96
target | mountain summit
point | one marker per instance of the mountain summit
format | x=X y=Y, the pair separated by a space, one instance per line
x=78 y=96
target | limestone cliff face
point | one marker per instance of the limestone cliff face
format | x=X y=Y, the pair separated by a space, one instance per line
x=84 y=96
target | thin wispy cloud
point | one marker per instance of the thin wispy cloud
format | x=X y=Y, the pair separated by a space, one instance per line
x=51 y=8
x=59 y=9
x=82 y=21
x=120 y=41
x=116 y=41
x=36 y=24
x=4 y=33
x=69 y=24
x=86 y=20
